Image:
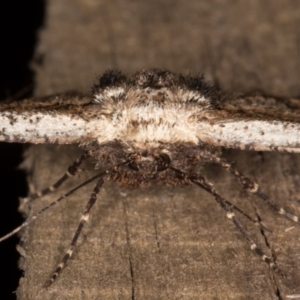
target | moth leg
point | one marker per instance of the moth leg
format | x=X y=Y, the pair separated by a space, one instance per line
x=36 y=215
x=206 y=185
x=83 y=220
x=72 y=171
x=256 y=222
x=253 y=187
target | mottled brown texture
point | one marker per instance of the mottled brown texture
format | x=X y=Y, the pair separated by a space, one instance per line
x=167 y=243
x=142 y=166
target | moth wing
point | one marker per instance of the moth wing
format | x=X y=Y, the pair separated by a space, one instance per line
x=58 y=119
x=254 y=122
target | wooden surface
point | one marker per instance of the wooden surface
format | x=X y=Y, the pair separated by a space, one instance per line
x=162 y=243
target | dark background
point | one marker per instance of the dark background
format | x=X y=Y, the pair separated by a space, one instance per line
x=19 y=22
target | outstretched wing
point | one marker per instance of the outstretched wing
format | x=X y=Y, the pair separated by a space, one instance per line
x=155 y=107
x=58 y=119
x=254 y=122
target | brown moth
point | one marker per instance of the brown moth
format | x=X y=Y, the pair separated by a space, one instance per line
x=154 y=127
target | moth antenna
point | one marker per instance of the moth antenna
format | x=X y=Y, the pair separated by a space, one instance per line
x=254 y=188
x=233 y=206
x=256 y=222
x=72 y=171
x=83 y=220
x=29 y=220
x=207 y=186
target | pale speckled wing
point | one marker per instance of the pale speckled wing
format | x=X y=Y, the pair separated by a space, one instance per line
x=254 y=122
x=56 y=119
x=255 y=135
x=145 y=117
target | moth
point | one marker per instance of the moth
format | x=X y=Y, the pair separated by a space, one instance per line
x=155 y=127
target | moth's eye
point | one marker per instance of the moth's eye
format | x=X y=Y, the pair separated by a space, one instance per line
x=165 y=158
x=164 y=162
x=133 y=165
x=144 y=153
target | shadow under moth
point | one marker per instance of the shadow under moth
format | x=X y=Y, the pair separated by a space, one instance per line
x=155 y=127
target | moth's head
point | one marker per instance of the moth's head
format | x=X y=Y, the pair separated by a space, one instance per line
x=149 y=163
x=149 y=121
x=139 y=166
